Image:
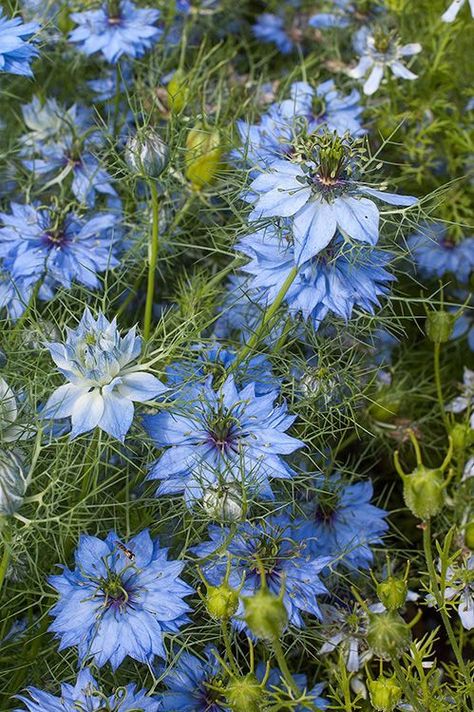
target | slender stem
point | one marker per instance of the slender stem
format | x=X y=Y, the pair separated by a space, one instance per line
x=118 y=93
x=91 y=460
x=7 y=538
x=402 y=679
x=283 y=665
x=228 y=648
x=152 y=258
x=439 y=388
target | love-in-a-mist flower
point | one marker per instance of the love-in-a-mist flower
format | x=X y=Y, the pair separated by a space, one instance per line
x=337 y=279
x=216 y=437
x=86 y=696
x=459 y=590
x=273 y=29
x=15 y=293
x=436 y=254
x=339 y=14
x=104 y=378
x=466 y=400
x=274 y=544
x=464 y=325
x=17 y=48
x=320 y=191
x=193 y=685
x=119 y=600
x=345 y=627
x=452 y=11
x=278 y=689
x=118 y=28
x=380 y=51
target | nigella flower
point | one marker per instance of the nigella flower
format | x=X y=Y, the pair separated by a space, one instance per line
x=103 y=379
x=378 y=52
x=118 y=28
x=318 y=191
x=16 y=45
x=119 y=600
x=341 y=522
x=339 y=16
x=466 y=400
x=15 y=294
x=272 y=29
x=459 y=590
x=38 y=243
x=337 y=279
x=50 y=122
x=436 y=254
x=345 y=627
x=192 y=684
x=452 y=11
x=278 y=688
x=220 y=436
x=464 y=325
x=276 y=545
x=86 y=695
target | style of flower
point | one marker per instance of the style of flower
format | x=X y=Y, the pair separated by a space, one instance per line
x=466 y=400
x=119 y=600
x=215 y=437
x=454 y=8
x=380 y=51
x=103 y=379
x=337 y=279
x=276 y=682
x=118 y=28
x=193 y=685
x=436 y=254
x=277 y=546
x=341 y=522
x=320 y=195
x=38 y=243
x=17 y=48
x=86 y=695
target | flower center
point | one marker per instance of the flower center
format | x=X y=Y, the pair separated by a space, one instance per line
x=54 y=239
x=223 y=432
x=115 y=592
x=326 y=508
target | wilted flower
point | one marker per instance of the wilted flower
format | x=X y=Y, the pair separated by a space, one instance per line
x=103 y=380
x=16 y=45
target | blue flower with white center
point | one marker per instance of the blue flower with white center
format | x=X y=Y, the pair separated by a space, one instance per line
x=307 y=111
x=454 y=8
x=216 y=361
x=437 y=255
x=86 y=695
x=276 y=684
x=341 y=522
x=217 y=437
x=119 y=600
x=337 y=279
x=339 y=16
x=17 y=48
x=103 y=379
x=118 y=28
x=272 y=29
x=191 y=684
x=38 y=243
x=318 y=191
x=378 y=53
x=276 y=545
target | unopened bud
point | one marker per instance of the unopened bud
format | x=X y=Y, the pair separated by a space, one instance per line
x=439 y=326
x=245 y=694
x=146 y=154
x=392 y=592
x=221 y=601
x=469 y=535
x=224 y=504
x=265 y=615
x=178 y=91
x=203 y=156
x=387 y=634
x=384 y=693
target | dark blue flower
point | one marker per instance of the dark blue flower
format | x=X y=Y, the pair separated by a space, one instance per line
x=277 y=545
x=190 y=685
x=86 y=696
x=437 y=255
x=16 y=45
x=220 y=436
x=119 y=600
x=118 y=28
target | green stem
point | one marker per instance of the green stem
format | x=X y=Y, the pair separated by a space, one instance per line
x=228 y=649
x=152 y=259
x=283 y=665
x=402 y=679
x=7 y=538
x=115 y=122
x=439 y=388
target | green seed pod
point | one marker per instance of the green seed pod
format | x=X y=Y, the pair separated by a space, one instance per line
x=423 y=492
x=469 y=535
x=221 y=601
x=462 y=435
x=385 y=406
x=203 y=156
x=178 y=91
x=384 y=693
x=387 y=634
x=146 y=154
x=392 y=592
x=265 y=615
x=245 y=694
x=439 y=326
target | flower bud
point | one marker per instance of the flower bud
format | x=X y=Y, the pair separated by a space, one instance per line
x=265 y=615
x=221 y=601
x=385 y=406
x=203 y=156
x=245 y=694
x=384 y=693
x=178 y=91
x=13 y=481
x=462 y=435
x=392 y=592
x=224 y=504
x=469 y=535
x=387 y=634
x=146 y=154
x=439 y=326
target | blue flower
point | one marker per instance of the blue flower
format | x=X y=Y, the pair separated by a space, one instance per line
x=15 y=294
x=436 y=255
x=50 y=122
x=189 y=684
x=453 y=9
x=321 y=196
x=464 y=324
x=340 y=16
x=87 y=696
x=284 y=555
x=341 y=522
x=336 y=280
x=378 y=52
x=16 y=45
x=119 y=600
x=38 y=242
x=276 y=684
x=217 y=437
x=103 y=380
x=118 y=28
x=271 y=28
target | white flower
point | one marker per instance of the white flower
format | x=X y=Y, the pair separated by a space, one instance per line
x=452 y=11
x=466 y=400
x=460 y=580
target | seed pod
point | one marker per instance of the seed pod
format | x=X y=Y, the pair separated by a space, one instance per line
x=392 y=592
x=203 y=156
x=13 y=481
x=265 y=615
x=387 y=634
x=384 y=693
x=439 y=326
x=221 y=601
x=178 y=91
x=469 y=535
x=146 y=154
x=245 y=694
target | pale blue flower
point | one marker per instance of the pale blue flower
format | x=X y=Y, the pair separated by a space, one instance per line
x=16 y=45
x=340 y=15
x=452 y=11
x=103 y=379
x=271 y=28
x=436 y=254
